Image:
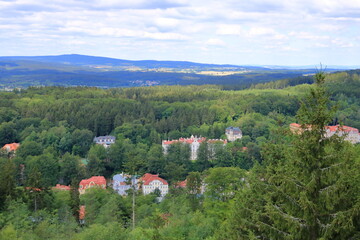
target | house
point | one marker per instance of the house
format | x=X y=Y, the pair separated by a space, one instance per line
x=181 y=184
x=233 y=133
x=349 y=133
x=61 y=187
x=150 y=182
x=105 y=141
x=11 y=147
x=123 y=182
x=194 y=143
x=95 y=181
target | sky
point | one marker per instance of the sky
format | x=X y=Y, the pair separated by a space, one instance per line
x=242 y=32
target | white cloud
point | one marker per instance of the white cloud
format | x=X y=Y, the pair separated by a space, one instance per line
x=215 y=42
x=229 y=29
x=174 y=29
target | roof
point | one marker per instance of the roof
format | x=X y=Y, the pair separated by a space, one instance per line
x=330 y=128
x=217 y=140
x=234 y=129
x=181 y=184
x=95 y=180
x=341 y=128
x=11 y=147
x=148 y=178
x=61 y=187
x=190 y=140
x=84 y=161
x=296 y=125
x=108 y=137
x=120 y=177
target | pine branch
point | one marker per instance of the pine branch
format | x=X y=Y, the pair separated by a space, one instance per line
x=332 y=166
x=299 y=221
x=285 y=234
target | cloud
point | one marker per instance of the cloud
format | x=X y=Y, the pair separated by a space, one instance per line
x=229 y=29
x=173 y=29
x=215 y=42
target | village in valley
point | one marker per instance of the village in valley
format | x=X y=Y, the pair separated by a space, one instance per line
x=125 y=183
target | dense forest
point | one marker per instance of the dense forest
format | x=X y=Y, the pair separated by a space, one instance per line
x=80 y=70
x=270 y=184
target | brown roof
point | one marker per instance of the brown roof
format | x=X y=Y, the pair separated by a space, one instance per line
x=61 y=187
x=95 y=180
x=11 y=147
x=148 y=178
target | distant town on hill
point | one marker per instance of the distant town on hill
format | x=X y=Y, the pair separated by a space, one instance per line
x=82 y=70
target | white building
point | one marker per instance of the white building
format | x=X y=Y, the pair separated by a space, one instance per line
x=106 y=141
x=194 y=143
x=150 y=182
x=233 y=133
x=122 y=183
x=350 y=134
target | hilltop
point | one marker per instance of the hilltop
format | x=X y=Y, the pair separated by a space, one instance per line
x=82 y=70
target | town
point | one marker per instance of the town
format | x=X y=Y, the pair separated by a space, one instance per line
x=124 y=183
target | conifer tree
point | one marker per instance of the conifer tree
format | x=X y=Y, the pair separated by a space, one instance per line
x=312 y=192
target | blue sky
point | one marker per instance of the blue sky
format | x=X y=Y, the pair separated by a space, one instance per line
x=266 y=32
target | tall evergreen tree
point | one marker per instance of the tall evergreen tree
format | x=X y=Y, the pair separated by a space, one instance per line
x=313 y=193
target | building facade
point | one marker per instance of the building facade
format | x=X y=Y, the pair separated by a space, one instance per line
x=105 y=141
x=349 y=133
x=150 y=182
x=123 y=182
x=233 y=133
x=96 y=181
x=194 y=143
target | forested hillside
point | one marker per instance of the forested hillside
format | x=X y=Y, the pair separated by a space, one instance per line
x=55 y=127
x=80 y=70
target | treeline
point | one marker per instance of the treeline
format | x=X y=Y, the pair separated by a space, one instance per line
x=256 y=187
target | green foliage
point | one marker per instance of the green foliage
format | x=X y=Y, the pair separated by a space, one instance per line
x=312 y=191
x=290 y=178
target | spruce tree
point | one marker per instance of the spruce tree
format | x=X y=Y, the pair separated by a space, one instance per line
x=312 y=192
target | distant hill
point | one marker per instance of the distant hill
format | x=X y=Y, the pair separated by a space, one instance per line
x=84 y=60
x=81 y=70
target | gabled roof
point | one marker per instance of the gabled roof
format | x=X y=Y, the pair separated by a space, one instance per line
x=341 y=128
x=181 y=184
x=295 y=125
x=61 y=187
x=148 y=178
x=234 y=129
x=11 y=147
x=329 y=128
x=96 y=180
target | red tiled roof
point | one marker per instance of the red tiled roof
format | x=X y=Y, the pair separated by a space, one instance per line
x=61 y=187
x=96 y=180
x=296 y=125
x=341 y=128
x=82 y=212
x=11 y=147
x=148 y=178
x=33 y=189
x=181 y=184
